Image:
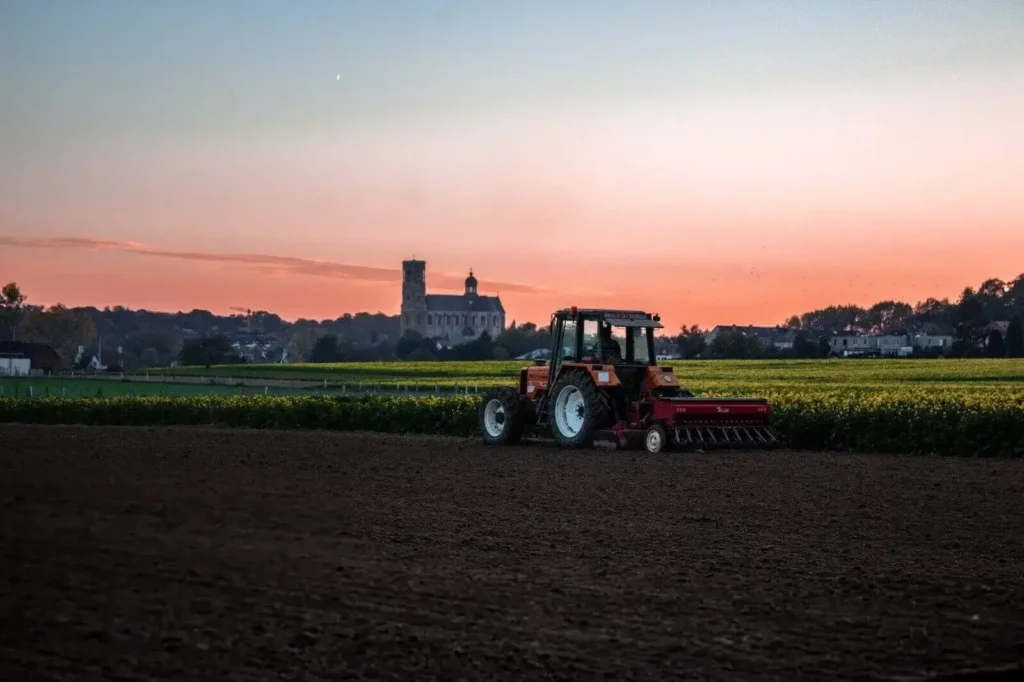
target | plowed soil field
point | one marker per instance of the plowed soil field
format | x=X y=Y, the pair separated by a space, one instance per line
x=187 y=554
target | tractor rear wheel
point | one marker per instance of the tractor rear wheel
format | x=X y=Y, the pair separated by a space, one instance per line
x=578 y=410
x=501 y=416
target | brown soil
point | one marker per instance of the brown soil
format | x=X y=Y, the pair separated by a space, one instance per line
x=242 y=555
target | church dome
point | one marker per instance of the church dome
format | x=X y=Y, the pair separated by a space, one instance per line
x=471 y=284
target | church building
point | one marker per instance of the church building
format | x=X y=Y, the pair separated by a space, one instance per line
x=451 y=319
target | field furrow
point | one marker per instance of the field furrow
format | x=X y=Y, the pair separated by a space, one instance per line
x=237 y=554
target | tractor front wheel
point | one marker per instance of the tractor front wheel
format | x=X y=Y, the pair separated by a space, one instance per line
x=578 y=410
x=501 y=416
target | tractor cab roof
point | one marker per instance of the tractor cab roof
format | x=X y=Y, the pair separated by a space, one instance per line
x=615 y=318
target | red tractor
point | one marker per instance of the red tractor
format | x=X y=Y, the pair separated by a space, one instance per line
x=595 y=387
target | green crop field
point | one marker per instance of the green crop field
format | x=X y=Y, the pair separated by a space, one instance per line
x=940 y=406
x=903 y=420
x=24 y=387
x=483 y=373
x=701 y=376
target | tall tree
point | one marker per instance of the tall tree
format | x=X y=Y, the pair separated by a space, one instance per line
x=165 y=346
x=691 y=342
x=933 y=316
x=970 y=321
x=994 y=346
x=887 y=317
x=834 y=319
x=61 y=328
x=1015 y=338
x=415 y=346
x=1014 y=298
x=803 y=348
x=11 y=303
x=150 y=357
x=521 y=339
x=735 y=345
x=303 y=339
x=824 y=349
x=991 y=294
x=326 y=350
x=213 y=350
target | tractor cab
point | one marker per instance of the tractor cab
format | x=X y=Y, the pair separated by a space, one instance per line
x=604 y=336
x=620 y=339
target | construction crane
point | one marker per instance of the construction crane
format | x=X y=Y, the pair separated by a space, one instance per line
x=248 y=316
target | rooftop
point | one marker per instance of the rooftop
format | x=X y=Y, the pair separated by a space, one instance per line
x=445 y=303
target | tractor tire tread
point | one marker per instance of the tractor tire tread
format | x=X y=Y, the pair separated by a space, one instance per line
x=599 y=417
x=514 y=415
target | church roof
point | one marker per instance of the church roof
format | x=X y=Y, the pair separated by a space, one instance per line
x=448 y=303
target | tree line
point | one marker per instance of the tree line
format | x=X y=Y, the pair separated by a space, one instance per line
x=143 y=338
x=199 y=337
x=968 y=320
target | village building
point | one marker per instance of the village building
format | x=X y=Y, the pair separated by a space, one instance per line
x=20 y=358
x=902 y=345
x=451 y=319
x=778 y=337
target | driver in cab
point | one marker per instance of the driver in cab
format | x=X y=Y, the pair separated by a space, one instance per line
x=611 y=351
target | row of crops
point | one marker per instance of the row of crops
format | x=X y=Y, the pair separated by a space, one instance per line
x=704 y=375
x=902 y=419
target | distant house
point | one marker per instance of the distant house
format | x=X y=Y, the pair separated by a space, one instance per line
x=780 y=337
x=42 y=358
x=892 y=344
x=929 y=341
x=14 y=366
x=784 y=340
x=255 y=347
x=849 y=345
x=854 y=345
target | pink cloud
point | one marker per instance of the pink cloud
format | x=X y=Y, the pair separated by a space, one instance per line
x=277 y=266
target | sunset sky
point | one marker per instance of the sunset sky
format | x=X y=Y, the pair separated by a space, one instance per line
x=717 y=162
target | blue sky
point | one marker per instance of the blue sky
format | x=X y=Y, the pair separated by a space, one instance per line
x=77 y=70
x=788 y=148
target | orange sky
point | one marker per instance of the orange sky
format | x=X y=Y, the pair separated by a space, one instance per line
x=705 y=293
x=741 y=192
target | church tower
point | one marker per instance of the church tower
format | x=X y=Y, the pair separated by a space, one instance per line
x=414 y=295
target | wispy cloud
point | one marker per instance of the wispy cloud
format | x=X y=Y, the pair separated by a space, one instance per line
x=280 y=266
